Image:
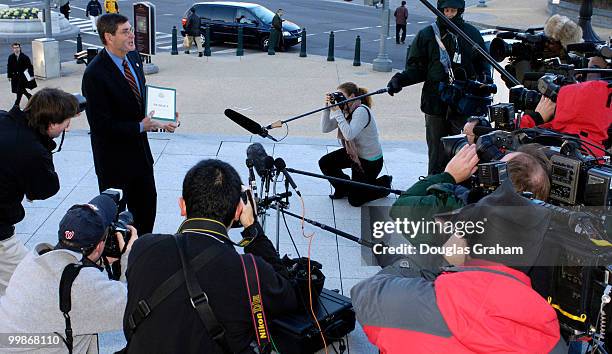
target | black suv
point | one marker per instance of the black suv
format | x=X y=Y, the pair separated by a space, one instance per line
x=225 y=17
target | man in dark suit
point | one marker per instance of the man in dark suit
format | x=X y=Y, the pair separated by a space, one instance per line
x=17 y=64
x=114 y=85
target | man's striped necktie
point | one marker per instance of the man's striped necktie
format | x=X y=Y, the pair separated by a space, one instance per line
x=132 y=81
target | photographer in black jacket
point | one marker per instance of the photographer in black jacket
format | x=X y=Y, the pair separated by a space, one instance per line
x=211 y=202
x=26 y=164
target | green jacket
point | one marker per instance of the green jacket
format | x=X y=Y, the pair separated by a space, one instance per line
x=423 y=64
x=432 y=195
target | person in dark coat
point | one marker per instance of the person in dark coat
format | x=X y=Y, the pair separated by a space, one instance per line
x=211 y=203
x=193 y=32
x=18 y=62
x=94 y=10
x=424 y=64
x=114 y=85
x=26 y=164
x=277 y=25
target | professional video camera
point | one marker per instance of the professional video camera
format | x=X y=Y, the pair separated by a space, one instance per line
x=531 y=45
x=548 y=86
x=122 y=220
x=468 y=97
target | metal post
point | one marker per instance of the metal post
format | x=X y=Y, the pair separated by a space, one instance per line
x=382 y=61
x=207 y=42
x=48 y=28
x=174 y=40
x=357 y=60
x=239 y=49
x=303 y=44
x=481 y=3
x=79 y=44
x=330 y=49
x=584 y=21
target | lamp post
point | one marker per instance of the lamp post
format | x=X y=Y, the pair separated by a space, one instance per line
x=48 y=29
x=382 y=61
x=481 y=3
x=584 y=21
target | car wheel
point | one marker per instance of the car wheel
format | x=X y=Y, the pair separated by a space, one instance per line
x=263 y=43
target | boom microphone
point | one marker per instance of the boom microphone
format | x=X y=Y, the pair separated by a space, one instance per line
x=256 y=153
x=250 y=125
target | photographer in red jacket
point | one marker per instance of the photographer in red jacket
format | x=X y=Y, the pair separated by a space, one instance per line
x=582 y=109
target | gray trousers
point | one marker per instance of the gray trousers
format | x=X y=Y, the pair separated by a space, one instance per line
x=437 y=127
x=12 y=251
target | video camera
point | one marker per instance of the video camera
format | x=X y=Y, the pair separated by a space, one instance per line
x=530 y=47
x=467 y=97
x=122 y=220
x=548 y=86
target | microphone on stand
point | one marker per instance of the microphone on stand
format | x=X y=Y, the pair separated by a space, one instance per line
x=250 y=125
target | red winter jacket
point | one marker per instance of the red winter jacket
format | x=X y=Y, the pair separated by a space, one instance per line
x=482 y=307
x=583 y=109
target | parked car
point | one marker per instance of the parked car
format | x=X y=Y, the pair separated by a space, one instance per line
x=225 y=17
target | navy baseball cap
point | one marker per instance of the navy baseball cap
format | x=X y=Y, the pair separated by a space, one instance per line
x=84 y=225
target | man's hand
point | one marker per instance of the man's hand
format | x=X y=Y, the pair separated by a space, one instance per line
x=328 y=102
x=463 y=164
x=148 y=124
x=247 y=217
x=393 y=86
x=546 y=107
x=171 y=127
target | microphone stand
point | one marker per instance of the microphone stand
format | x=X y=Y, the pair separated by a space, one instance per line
x=346 y=181
x=327 y=228
x=280 y=123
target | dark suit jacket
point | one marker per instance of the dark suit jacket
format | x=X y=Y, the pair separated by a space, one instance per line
x=121 y=152
x=15 y=69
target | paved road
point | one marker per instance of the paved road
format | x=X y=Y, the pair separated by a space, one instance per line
x=319 y=17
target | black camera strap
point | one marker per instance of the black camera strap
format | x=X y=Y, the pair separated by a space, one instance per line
x=199 y=299
x=260 y=324
x=71 y=271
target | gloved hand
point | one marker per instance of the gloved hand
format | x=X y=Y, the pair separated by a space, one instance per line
x=393 y=86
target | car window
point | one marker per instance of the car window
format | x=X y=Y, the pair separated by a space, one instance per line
x=245 y=16
x=203 y=12
x=264 y=14
x=223 y=13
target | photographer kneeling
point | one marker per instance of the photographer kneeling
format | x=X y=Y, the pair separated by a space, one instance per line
x=361 y=151
x=212 y=312
x=31 y=304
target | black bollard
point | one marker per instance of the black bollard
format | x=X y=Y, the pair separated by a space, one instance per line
x=207 y=42
x=357 y=60
x=79 y=48
x=239 y=49
x=584 y=21
x=303 y=44
x=330 y=50
x=272 y=42
x=174 y=40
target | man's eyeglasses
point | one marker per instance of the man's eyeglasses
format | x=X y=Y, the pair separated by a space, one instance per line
x=127 y=31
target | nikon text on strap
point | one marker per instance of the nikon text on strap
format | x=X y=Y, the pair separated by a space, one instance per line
x=199 y=299
x=65 y=302
x=251 y=277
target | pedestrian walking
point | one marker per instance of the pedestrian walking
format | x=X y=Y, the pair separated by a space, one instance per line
x=401 y=19
x=193 y=32
x=94 y=10
x=21 y=73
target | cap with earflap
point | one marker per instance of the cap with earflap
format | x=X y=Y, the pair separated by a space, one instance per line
x=84 y=225
x=456 y=4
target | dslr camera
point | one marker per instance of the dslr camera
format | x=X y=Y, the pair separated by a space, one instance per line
x=120 y=224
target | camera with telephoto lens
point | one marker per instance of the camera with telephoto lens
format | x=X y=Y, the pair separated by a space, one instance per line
x=82 y=101
x=120 y=224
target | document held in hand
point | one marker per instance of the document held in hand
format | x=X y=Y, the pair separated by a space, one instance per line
x=162 y=100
